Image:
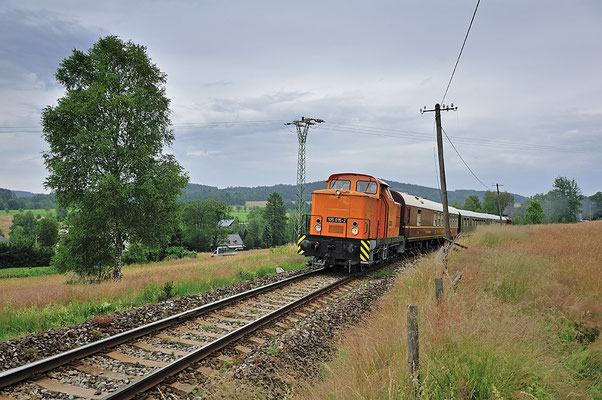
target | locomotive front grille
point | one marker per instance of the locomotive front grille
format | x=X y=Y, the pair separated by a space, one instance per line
x=336 y=229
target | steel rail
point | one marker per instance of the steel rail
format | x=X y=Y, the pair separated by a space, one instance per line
x=154 y=378
x=23 y=372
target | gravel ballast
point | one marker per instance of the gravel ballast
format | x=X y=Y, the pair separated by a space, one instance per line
x=274 y=369
x=20 y=351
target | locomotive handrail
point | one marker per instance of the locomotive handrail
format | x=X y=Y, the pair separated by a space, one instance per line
x=307 y=222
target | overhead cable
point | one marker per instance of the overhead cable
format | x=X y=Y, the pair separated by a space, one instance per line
x=461 y=50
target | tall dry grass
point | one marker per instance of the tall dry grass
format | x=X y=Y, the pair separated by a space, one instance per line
x=50 y=302
x=517 y=327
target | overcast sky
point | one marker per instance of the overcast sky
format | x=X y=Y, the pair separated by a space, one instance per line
x=528 y=86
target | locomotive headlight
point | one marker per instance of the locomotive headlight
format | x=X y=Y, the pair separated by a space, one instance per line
x=317 y=228
x=354 y=231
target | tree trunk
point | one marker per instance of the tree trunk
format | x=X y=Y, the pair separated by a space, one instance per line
x=118 y=254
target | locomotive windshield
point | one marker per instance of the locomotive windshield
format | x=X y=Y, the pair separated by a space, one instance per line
x=366 y=187
x=339 y=184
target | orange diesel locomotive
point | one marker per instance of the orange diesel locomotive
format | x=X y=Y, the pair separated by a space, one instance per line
x=359 y=220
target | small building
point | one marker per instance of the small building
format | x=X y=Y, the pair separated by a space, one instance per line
x=3 y=239
x=234 y=242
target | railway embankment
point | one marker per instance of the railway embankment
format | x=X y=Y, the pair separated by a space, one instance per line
x=524 y=322
x=44 y=315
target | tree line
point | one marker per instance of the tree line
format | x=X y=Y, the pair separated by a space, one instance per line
x=200 y=227
x=489 y=205
x=562 y=204
x=10 y=201
x=32 y=241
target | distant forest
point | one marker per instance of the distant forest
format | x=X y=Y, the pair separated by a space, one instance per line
x=14 y=200
x=239 y=195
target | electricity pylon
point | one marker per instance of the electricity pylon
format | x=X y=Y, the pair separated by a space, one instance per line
x=302 y=126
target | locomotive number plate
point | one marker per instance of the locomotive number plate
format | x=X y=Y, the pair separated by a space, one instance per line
x=337 y=220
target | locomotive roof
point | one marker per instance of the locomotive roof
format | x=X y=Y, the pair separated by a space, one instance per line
x=416 y=201
x=334 y=176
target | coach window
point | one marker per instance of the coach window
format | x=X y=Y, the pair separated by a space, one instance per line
x=339 y=184
x=366 y=187
x=419 y=217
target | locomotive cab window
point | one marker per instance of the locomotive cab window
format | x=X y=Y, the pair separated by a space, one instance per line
x=366 y=187
x=339 y=184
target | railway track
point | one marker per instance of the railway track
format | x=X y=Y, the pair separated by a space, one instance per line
x=130 y=363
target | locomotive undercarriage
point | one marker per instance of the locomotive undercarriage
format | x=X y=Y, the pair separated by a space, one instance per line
x=349 y=253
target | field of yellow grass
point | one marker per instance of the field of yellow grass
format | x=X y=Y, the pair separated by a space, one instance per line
x=524 y=323
x=38 y=303
x=6 y=222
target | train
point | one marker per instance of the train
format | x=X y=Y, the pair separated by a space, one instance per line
x=358 y=220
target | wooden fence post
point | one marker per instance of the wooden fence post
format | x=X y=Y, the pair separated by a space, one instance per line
x=413 y=353
x=438 y=289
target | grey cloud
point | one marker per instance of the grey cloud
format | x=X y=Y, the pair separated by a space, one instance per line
x=529 y=75
x=34 y=43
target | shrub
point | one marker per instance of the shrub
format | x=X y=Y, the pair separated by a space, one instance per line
x=167 y=291
x=18 y=255
x=136 y=253
x=179 y=252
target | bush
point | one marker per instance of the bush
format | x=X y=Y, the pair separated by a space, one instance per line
x=139 y=254
x=179 y=252
x=85 y=250
x=16 y=255
x=135 y=254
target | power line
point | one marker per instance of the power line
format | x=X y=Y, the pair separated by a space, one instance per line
x=458 y=153
x=356 y=129
x=420 y=136
x=461 y=50
x=452 y=106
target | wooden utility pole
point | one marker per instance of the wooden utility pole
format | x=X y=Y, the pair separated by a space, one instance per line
x=437 y=111
x=499 y=207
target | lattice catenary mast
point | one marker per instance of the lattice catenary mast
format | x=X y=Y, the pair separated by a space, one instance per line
x=302 y=126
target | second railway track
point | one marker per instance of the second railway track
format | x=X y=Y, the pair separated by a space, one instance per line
x=124 y=365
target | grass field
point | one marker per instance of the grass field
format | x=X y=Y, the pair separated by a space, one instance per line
x=256 y=203
x=242 y=215
x=51 y=212
x=523 y=324
x=26 y=272
x=40 y=303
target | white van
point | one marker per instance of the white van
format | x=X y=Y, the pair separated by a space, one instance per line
x=223 y=251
